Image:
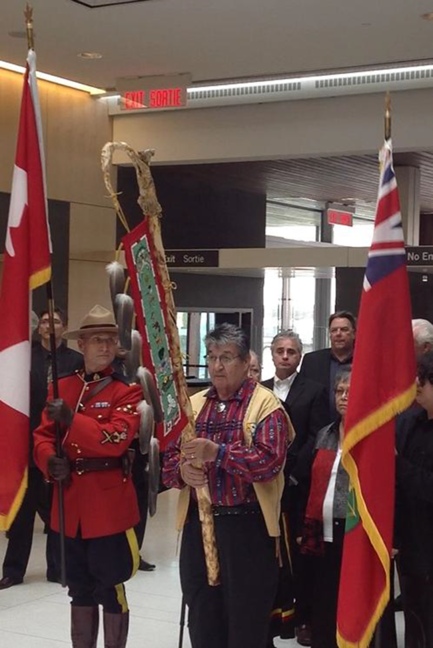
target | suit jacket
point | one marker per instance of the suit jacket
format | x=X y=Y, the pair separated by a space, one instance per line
x=104 y=502
x=307 y=407
x=317 y=366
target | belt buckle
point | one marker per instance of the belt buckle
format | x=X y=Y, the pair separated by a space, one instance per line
x=79 y=462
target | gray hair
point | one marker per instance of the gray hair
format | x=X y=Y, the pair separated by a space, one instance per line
x=229 y=334
x=343 y=375
x=422 y=331
x=288 y=334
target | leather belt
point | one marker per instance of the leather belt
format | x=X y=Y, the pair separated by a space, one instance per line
x=93 y=464
x=250 y=508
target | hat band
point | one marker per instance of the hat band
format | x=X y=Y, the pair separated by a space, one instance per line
x=97 y=326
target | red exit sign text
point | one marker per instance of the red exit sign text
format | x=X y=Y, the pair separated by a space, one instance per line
x=155 y=98
x=337 y=217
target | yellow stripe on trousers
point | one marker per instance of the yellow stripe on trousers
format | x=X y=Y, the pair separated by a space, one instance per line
x=135 y=554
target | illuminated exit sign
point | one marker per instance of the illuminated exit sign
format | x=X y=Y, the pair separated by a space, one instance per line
x=153 y=93
x=340 y=217
x=155 y=98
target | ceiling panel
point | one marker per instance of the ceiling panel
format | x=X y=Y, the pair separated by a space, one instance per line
x=333 y=179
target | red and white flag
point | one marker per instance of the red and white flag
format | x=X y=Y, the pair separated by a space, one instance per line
x=26 y=266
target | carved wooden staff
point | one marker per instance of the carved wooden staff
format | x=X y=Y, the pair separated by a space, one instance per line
x=152 y=213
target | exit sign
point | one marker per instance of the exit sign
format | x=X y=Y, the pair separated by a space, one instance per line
x=155 y=98
x=153 y=93
x=340 y=217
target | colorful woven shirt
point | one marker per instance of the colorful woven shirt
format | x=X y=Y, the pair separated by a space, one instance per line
x=237 y=466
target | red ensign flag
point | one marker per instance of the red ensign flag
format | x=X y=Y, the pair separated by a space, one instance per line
x=382 y=385
x=26 y=266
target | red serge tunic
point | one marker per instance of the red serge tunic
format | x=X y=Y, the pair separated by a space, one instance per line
x=104 y=425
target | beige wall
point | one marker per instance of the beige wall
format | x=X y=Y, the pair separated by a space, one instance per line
x=308 y=128
x=75 y=127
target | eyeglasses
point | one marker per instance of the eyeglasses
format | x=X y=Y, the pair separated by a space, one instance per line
x=342 y=392
x=223 y=359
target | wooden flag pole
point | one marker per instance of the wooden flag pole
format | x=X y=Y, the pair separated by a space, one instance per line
x=387 y=116
x=28 y=14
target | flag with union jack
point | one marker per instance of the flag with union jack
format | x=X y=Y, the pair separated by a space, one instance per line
x=382 y=385
x=27 y=265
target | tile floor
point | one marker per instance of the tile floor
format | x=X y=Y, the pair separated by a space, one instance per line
x=36 y=613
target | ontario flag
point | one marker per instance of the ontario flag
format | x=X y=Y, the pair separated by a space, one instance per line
x=26 y=266
x=382 y=385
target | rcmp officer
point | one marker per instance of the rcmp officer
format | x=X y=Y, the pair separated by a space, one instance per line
x=97 y=412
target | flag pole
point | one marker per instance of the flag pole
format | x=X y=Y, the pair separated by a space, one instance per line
x=28 y=14
x=387 y=116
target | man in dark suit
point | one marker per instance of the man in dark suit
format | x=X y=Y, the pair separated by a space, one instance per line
x=306 y=403
x=37 y=497
x=322 y=366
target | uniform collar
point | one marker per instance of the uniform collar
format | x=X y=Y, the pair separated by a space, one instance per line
x=96 y=376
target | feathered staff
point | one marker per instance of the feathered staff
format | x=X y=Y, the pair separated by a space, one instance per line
x=156 y=316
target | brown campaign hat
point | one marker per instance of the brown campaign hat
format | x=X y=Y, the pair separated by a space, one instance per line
x=97 y=320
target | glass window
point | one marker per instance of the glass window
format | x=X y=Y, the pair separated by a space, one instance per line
x=360 y=235
x=302 y=300
x=292 y=223
x=272 y=295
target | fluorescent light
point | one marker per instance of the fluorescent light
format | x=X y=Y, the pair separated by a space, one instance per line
x=313 y=78
x=318 y=77
x=53 y=79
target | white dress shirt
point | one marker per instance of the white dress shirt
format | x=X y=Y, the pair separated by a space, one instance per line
x=282 y=387
x=328 y=503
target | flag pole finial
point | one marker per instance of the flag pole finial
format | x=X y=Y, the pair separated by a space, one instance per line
x=387 y=116
x=28 y=14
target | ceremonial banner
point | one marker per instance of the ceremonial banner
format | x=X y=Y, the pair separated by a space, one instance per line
x=150 y=306
x=382 y=385
x=26 y=266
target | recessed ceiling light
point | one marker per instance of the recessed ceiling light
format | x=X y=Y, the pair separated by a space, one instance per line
x=427 y=16
x=90 y=55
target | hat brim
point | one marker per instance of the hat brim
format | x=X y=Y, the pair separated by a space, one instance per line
x=91 y=330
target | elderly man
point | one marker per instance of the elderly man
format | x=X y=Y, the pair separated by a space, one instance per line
x=306 y=403
x=422 y=336
x=97 y=414
x=242 y=436
x=37 y=497
x=323 y=365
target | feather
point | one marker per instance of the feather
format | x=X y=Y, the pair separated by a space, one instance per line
x=152 y=500
x=133 y=357
x=154 y=474
x=147 y=423
x=124 y=311
x=116 y=274
x=150 y=392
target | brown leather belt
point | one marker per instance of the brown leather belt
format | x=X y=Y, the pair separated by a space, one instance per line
x=92 y=464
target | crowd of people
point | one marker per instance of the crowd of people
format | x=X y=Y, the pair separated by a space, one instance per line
x=268 y=455
x=239 y=457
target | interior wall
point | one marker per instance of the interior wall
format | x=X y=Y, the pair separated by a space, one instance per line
x=197 y=214
x=318 y=127
x=75 y=127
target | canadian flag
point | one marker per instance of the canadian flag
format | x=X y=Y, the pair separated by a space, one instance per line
x=27 y=265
